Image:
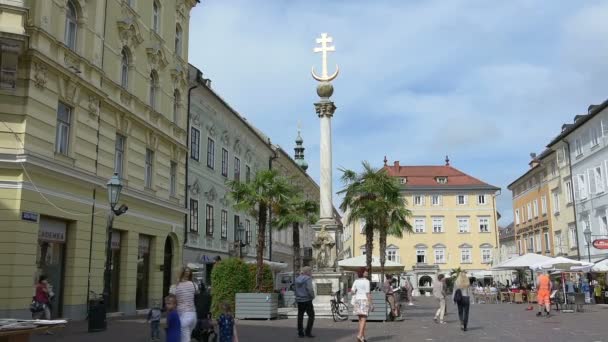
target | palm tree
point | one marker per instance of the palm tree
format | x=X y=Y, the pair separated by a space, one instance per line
x=266 y=191
x=293 y=212
x=455 y=272
x=371 y=196
x=393 y=219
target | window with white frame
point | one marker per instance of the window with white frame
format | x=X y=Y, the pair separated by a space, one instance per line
x=193 y=215
x=463 y=225
x=421 y=255
x=62 y=137
x=437 y=224
x=436 y=199
x=582 y=186
x=569 y=191
x=419 y=225
x=402 y=180
x=529 y=211
x=599 y=179
x=195 y=142
x=557 y=238
x=547 y=243
x=535 y=207
x=461 y=199
x=538 y=243
x=484 y=224
x=119 y=155
x=71 y=25
x=209 y=220
x=465 y=255
x=392 y=254
x=555 y=195
x=578 y=145
x=530 y=244
x=149 y=168
x=224 y=225
x=418 y=200
x=603 y=223
x=572 y=235
x=155 y=16
x=543 y=205
x=442 y=180
x=224 y=162
x=248 y=231
x=8 y=66
x=482 y=200
x=210 y=153
x=486 y=255
x=439 y=255
x=517 y=218
x=595 y=137
x=173 y=179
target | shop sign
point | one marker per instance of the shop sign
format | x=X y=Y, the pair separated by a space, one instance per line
x=29 y=216
x=51 y=232
x=115 y=240
x=600 y=243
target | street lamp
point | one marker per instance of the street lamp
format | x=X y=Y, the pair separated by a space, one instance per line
x=114 y=188
x=587 y=234
x=241 y=233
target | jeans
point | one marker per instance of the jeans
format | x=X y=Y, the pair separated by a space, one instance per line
x=463 y=311
x=188 y=322
x=155 y=330
x=441 y=311
x=310 y=312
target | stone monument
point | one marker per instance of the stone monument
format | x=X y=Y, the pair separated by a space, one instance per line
x=327 y=279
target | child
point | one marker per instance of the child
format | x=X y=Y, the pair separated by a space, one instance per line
x=226 y=324
x=174 y=327
x=154 y=320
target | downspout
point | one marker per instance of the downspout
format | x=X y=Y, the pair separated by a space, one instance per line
x=270 y=159
x=496 y=220
x=578 y=247
x=186 y=204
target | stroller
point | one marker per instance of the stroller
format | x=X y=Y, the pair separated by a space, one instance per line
x=204 y=331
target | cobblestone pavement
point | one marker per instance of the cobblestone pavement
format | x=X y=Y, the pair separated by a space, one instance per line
x=488 y=322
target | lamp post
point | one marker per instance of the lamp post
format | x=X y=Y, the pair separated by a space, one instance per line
x=241 y=232
x=114 y=188
x=587 y=234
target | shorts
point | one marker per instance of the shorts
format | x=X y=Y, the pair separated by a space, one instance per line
x=543 y=297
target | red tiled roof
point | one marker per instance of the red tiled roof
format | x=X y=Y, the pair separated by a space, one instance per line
x=426 y=176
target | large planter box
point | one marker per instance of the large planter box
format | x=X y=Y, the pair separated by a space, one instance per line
x=380 y=312
x=257 y=305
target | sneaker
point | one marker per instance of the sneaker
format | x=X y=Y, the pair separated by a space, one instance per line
x=538 y=314
x=443 y=322
x=436 y=320
x=411 y=304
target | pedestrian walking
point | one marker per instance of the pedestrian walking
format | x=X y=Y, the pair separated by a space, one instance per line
x=544 y=287
x=154 y=320
x=408 y=291
x=173 y=329
x=462 y=298
x=362 y=301
x=184 y=291
x=389 y=291
x=42 y=297
x=304 y=296
x=227 y=325
x=439 y=293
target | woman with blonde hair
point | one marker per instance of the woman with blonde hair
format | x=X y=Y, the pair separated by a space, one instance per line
x=184 y=291
x=461 y=297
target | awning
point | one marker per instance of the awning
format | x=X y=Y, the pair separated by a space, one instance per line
x=353 y=264
x=480 y=274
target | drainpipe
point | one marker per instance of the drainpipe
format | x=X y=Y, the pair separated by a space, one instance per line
x=578 y=247
x=186 y=203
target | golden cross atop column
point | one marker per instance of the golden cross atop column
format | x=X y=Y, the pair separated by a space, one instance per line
x=324 y=49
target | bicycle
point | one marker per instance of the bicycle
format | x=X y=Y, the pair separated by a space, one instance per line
x=339 y=310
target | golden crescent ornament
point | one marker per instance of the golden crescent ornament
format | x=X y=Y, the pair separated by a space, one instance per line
x=325 y=79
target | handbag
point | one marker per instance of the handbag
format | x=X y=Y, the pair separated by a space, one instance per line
x=458 y=296
x=36 y=306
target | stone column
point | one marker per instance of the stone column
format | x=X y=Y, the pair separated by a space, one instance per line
x=325 y=110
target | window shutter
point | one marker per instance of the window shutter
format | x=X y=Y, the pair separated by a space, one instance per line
x=592 y=187
x=599 y=179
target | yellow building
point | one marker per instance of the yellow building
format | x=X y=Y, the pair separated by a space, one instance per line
x=90 y=88
x=532 y=205
x=454 y=223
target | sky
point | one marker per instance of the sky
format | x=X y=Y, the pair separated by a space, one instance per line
x=485 y=82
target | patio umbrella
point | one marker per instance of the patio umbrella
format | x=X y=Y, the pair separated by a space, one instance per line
x=524 y=262
x=353 y=264
x=600 y=266
x=560 y=263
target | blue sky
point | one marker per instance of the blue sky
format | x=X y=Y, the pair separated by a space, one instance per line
x=485 y=82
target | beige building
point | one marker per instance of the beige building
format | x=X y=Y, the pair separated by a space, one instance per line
x=90 y=88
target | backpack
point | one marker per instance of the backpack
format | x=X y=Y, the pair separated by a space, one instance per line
x=458 y=296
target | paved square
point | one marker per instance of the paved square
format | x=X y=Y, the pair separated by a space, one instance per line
x=488 y=322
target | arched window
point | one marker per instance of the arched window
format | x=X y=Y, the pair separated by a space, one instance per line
x=71 y=25
x=124 y=69
x=155 y=16
x=176 y=100
x=178 y=40
x=153 y=89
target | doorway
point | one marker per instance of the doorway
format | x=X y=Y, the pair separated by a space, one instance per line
x=50 y=259
x=115 y=272
x=143 y=272
x=167 y=266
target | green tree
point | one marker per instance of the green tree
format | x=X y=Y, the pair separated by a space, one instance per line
x=293 y=212
x=266 y=191
x=392 y=219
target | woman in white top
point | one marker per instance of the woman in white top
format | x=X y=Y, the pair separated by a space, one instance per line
x=362 y=301
x=184 y=290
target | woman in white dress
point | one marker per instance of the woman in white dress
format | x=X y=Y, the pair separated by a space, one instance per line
x=362 y=301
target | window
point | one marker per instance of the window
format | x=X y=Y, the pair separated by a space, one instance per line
x=461 y=199
x=530 y=244
x=8 y=66
x=484 y=224
x=517 y=216
x=149 y=168
x=463 y=225
x=155 y=16
x=209 y=220
x=437 y=224
x=603 y=223
x=578 y=146
x=224 y=225
x=599 y=180
x=465 y=256
x=62 y=138
x=210 y=153
x=595 y=140
x=418 y=200
x=176 y=105
x=543 y=205
x=71 y=26
x=237 y=169
x=529 y=211
x=419 y=225
x=519 y=251
x=392 y=255
x=547 y=244
x=153 y=89
x=178 y=41
x=247 y=231
x=572 y=237
x=421 y=256
x=195 y=142
x=582 y=186
x=440 y=255
x=436 y=199
x=247 y=174
x=119 y=155
x=535 y=207
x=538 y=243
x=173 y=179
x=402 y=180
x=486 y=255
x=555 y=195
x=224 y=162
x=237 y=223
x=557 y=238
x=193 y=215
x=569 y=191
x=442 y=180
x=481 y=200
x=124 y=69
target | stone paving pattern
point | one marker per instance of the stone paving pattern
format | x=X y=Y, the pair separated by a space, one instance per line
x=488 y=322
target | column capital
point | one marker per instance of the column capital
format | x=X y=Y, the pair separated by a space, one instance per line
x=325 y=108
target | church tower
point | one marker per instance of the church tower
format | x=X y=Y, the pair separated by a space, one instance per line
x=299 y=149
